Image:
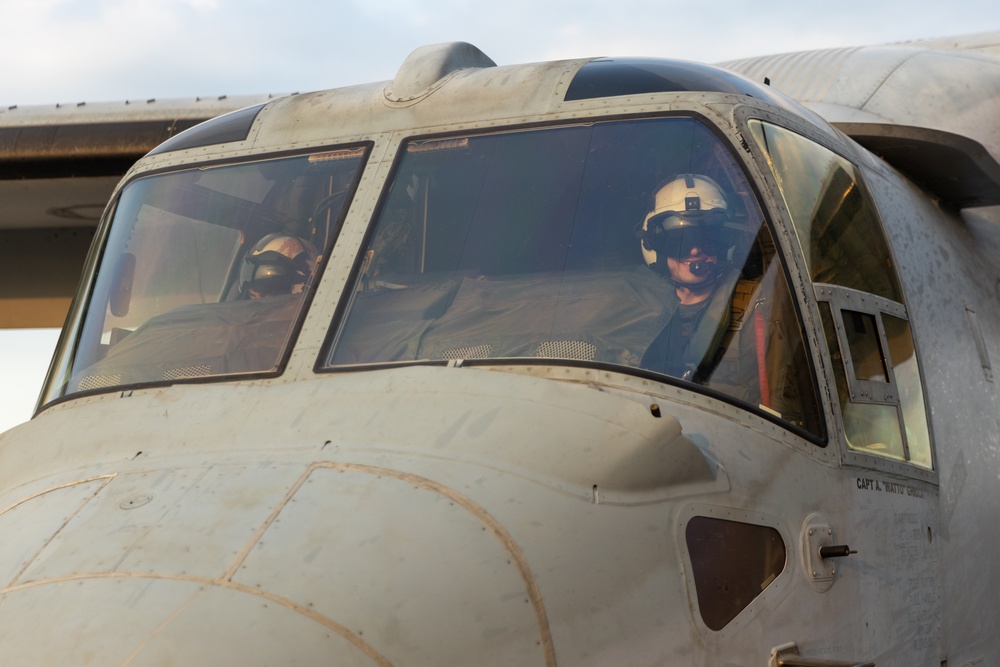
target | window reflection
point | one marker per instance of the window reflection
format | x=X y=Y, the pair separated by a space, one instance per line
x=910 y=388
x=865 y=345
x=836 y=224
x=205 y=271
x=847 y=256
x=559 y=242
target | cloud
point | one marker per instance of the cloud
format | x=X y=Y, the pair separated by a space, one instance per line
x=87 y=50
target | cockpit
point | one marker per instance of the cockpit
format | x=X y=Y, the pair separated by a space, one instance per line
x=530 y=245
x=206 y=271
x=639 y=245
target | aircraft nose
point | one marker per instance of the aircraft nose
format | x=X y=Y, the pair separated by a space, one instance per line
x=408 y=567
x=354 y=565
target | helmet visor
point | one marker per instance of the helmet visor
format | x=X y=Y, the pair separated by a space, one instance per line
x=268 y=274
x=682 y=240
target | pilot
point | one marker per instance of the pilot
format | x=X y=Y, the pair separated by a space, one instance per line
x=278 y=264
x=691 y=239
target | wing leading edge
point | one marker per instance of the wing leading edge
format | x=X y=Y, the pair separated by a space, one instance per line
x=58 y=168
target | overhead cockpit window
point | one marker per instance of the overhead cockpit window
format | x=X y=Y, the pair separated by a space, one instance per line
x=637 y=244
x=233 y=126
x=610 y=77
x=868 y=335
x=205 y=271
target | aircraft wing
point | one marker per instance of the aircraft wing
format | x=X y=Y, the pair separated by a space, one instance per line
x=58 y=167
x=928 y=107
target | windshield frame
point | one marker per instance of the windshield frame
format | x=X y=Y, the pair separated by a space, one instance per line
x=55 y=388
x=830 y=348
x=324 y=363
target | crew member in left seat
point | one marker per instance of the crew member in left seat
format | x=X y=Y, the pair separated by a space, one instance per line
x=277 y=265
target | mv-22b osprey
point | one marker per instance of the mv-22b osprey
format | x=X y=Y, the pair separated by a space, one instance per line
x=590 y=362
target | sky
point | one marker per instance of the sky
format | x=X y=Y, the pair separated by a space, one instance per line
x=109 y=50
x=71 y=51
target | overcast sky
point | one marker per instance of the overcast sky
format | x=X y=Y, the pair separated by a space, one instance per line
x=101 y=50
x=68 y=51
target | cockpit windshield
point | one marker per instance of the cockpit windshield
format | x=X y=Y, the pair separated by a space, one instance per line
x=638 y=244
x=205 y=271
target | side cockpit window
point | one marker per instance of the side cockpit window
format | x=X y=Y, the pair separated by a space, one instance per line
x=638 y=244
x=861 y=304
x=205 y=272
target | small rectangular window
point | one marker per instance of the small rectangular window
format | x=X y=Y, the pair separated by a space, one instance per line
x=877 y=376
x=867 y=357
x=910 y=387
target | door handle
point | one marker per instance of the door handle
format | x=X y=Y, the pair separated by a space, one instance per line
x=787 y=655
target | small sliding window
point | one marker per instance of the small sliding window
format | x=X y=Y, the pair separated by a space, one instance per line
x=878 y=378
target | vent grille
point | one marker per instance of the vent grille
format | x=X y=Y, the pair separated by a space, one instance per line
x=88 y=382
x=470 y=352
x=187 y=372
x=567 y=349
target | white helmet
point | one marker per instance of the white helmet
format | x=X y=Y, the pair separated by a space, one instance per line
x=689 y=201
x=277 y=264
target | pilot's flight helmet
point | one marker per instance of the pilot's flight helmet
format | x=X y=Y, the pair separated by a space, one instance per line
x=277 y=264
x=688 y=206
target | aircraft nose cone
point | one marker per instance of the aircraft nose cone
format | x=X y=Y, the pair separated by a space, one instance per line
x=354 y=565
x=409 y=568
